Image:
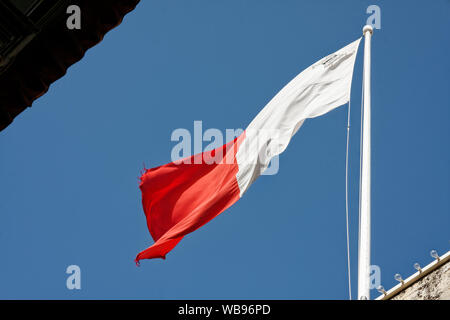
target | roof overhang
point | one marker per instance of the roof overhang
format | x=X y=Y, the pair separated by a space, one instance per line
x=37 y=48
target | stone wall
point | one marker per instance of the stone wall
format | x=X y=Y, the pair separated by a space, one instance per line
x=434 y=286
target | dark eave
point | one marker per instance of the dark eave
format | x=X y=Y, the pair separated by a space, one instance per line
x=40 y=51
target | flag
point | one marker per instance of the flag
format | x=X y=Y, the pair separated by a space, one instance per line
x=181 y=196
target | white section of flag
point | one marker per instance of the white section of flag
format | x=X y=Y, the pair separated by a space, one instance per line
x=317 y=90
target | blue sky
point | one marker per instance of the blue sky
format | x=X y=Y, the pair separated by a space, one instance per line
x=69 y=166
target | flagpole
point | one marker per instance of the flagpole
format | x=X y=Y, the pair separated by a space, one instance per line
x=364 y=226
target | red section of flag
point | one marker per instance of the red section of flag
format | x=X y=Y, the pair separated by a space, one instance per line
x=180 y=197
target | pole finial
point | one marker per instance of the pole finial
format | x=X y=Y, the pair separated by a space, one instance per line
x=366 y=28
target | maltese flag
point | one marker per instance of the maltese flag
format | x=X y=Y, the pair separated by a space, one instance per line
x=181 y=196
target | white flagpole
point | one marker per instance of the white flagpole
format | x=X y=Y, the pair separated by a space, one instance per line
x=364 y=227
